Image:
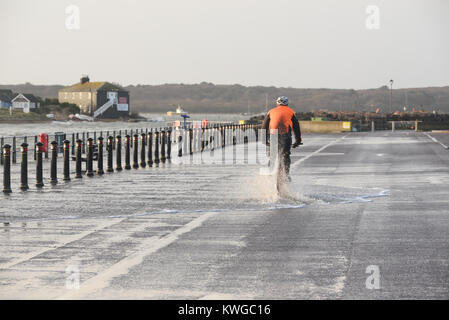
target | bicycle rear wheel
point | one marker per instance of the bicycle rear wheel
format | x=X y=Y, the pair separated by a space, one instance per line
x=281 y=178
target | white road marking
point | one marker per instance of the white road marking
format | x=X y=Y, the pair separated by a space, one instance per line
x=324 y=154
x=436 y=141
x=146 y=248
x=68 y=240
x=317 y=151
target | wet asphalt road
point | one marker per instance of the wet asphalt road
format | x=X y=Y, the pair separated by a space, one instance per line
x=361 y=201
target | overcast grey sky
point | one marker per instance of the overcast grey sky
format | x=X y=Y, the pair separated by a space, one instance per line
x=304 y=44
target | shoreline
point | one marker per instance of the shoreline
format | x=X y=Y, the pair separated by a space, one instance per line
x=21 y=121
x=25 y=121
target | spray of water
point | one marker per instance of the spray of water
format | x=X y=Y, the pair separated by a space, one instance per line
x=262 y=189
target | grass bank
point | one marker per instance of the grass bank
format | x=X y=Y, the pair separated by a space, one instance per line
x=20 y=116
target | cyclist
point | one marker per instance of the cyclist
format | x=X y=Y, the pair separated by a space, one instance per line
x=283 y=118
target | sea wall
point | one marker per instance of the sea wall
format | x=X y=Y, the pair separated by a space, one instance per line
x=324 y=126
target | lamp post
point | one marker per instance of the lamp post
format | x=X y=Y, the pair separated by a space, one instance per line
x=90 y=105
x=266 y=102
x=391 y=94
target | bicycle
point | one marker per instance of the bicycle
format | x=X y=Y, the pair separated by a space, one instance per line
x=281 y=176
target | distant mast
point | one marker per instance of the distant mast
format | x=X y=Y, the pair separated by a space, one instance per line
x=266 y=102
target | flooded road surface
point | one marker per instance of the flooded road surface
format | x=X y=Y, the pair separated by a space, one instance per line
x=185 y=230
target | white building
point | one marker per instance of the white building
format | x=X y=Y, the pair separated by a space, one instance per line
x=26 y=102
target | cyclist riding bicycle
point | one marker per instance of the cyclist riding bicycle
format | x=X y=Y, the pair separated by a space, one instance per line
x=283 y=119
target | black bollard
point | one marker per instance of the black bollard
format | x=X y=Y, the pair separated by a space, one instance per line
x=142 y=150
x=54 y=162
x=2 y=142
x=127 y=152
x=190 y=141
x=206 y=138
x=90 y=158
x=169 y=144
x=202 y=140
x=150 y=149
x=6 y=152
x=234 y=147
x=118 y=153
x=73 y=144
x=66 y=160
x=163 y=142
x=14 y=150
x=24 y=167
x=84 y=143
x=180 y=144
x=156 y=148
x=109 y=147
x=223 y=137
x=39 y=179
x=100 y=170
x=135 y=145
x=212 y=139
x=245 y=151
x=35 y=142
x=79 y=150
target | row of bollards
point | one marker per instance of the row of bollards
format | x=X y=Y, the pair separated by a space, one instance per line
x=161 y=140
x=59 y=137
x=7 y=158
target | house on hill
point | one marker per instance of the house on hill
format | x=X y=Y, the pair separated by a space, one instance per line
x=5 y=101
x=97 y=99
x=7 y=92
x=25 y=101
x=5 y=98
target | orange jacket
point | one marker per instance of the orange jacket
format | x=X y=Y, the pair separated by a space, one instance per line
x=284 y=120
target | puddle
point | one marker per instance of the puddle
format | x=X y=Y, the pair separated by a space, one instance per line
x=172 y=191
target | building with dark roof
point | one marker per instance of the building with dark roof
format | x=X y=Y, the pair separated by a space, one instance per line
x=25 y=101
x=97 y=99
x=6 y=96
x=5 y=101
x=7 y=93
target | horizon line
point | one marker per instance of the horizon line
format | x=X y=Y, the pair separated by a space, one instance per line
x=235 y=84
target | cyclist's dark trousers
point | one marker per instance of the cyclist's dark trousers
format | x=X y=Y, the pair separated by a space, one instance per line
x=284 y=147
